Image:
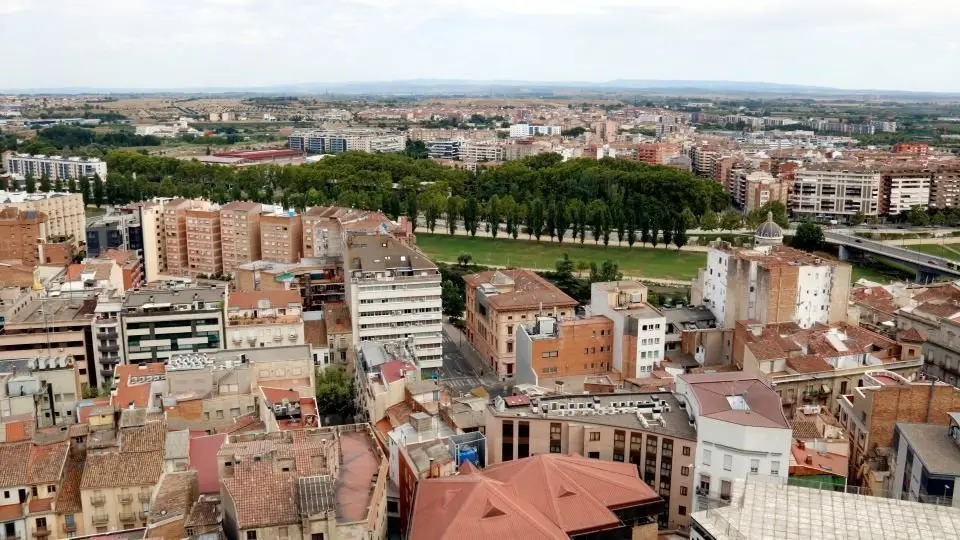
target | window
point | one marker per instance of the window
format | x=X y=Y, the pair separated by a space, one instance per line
x=727 y=462
x=683 y=491
x=725 y=488
x=283 y=532
x=33 y=490
x=219 y=414
x=509 y=329
x=754 y=466
x=684 y=471
x=775 y=468
x=707 y=454
x=41 y=523
x=685 y=451
x=594 y=435
x=556 y=430
x=682 y=510
x=619 y=445
x=509 y=346
x=51 y=488
x=251 y=535
x=593 y=455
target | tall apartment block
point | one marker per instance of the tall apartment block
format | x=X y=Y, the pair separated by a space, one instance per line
x=335 y=142
x=64 y=211
x=21 y=234
x=836 y=192
x=151 y=217
x=239 y=234
x=945 y=187
x=55 y=167
x=281 y=237
x=639 y=329
x=175 y=232
x=159 y=323
x=393 y=292
x=204 y=252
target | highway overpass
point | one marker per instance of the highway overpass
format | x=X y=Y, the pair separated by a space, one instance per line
x=929 y=267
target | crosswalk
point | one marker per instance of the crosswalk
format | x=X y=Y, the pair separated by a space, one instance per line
x=464 y=384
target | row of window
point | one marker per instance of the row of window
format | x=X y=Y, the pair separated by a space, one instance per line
x=754 y=463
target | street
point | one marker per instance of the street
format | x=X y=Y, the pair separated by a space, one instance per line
x=459 y=373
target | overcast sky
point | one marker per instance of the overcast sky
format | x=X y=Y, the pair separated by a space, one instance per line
x=884 y=44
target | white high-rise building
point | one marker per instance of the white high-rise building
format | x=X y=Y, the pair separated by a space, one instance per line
x=639 y=329
x=393 y=292
x=55 y=167
x=836 y=192
x=529 y=130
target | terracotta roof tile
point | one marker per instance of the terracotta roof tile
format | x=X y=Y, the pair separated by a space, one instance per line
x=175 y=494
x=40 y=506
x=203 y=459
x=68 y=497
x=47 y=463
x=15 y=469
x=711 y=392
x=315 y=332
x=128 y=391
x=122 y=469
x=548 y=496
x=804 y=430
x=11 y=512
x=205 y=513
x=271 y=503
x=520 y=289
x=914 y=335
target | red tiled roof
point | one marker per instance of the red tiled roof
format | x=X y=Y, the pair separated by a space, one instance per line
x=548 y=496
x=136 y=393
x=394 y=370
x=516 y=401
x=914 y=335
x=46 y=462
x=68 y=497
x=19 y=431
x=528 y=290
x=277 y=395
x=876 y=297
x=203 y=459
x=38 y=505
x=11 y=512
x=14 y=464
x=712 y=389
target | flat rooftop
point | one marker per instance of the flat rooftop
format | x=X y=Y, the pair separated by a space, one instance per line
x=147 y=297
x=54 y=310
x=237 y=357
x=763 y=509
x=657 y=412
x=379 y=253
x=931 y=443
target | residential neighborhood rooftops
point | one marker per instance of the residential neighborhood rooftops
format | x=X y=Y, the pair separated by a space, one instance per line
x=739 y=398
x=517 y=290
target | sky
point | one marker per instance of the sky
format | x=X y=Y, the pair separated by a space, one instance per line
x=856 y=44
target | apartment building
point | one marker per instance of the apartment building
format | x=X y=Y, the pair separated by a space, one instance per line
x=871 y=411
x=753 y=189
x=345 y=140
x=105 y=336
x=530 y=130
x=53 y=327
x=481 y=151
x=649 y=430
x=771 y=283
x=945 y=185
x=131 y=267
x=44 y=387
x=657 y=153
x=639 y=329
x=326 y=229
x=498 y=302
x=443 y=148
x=64 y=211
x=239 y=234
x=175 y=233
x=22 y=233
x=836 y=193
x=929 y=318
x=925 y=461
x=339 y=330
x=158 y=323
x=553 y=347
x=263 y=319
x=281 y=237
x=204 y=246
x=813 y=366
x=152 y=220
x=393 y=293
x=904 y=188
x=54 y=167
x=33 y=472
x=741 y=431
x=118 y=481
x=318 y=281
x=313 y=480
x=115 y=231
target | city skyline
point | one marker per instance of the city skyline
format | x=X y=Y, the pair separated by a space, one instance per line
x=139 y=44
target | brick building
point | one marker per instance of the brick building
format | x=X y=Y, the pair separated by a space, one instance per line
x=22 y=233
x=557 y=347
x=281 y=237
x=240 y=234
x=204 y=250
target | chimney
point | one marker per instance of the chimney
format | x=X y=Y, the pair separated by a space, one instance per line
x=808 y=460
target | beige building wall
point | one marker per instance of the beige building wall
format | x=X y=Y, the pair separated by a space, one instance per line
x=240 y=234
x=281 y=238
x=247 y=333
x=114 y=509
x=204 y=251
x=65 y=215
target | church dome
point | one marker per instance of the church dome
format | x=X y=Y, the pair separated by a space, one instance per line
x=768 y=233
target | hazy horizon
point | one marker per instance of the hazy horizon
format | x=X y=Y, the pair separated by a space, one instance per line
x=247 y=44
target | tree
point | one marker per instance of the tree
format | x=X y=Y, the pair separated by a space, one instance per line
x=631 y=225
x=464 y=259
x=608 y=271
x=565 y=266
x=471 y=215
x=939 y=219
x=759 y=216
x=667 y=225
x=857 y=218
x=30 y=185
x=432 y=207
x=645 y=228
x=709 y=221
x=58 y=185
x=581 y=267
x=809 y=237
x=494 y=215
x=680 y=234
x=574 y=211
x=98 y=192
x=730 y=220
x=453 y=213
x=452 y=299
x=618 y=219
x=552 y=211
x=918 y=216
x=561 y=219
x=689 y=220
x=335 y=392
x=536 y=217
x=599 y=219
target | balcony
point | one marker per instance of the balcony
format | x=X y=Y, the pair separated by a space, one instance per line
x=70 y=527
x=98 y=500
x=41 y=532
x=143 y=496
x=127 y=517
x=125 y=498
x=143 y=515
x=108 y=347
x=100 y=519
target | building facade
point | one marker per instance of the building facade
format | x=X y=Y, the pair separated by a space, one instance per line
x=55 y=167
x=281 y=237
x=204 y=244
x=639 y=329
x=158 y=323
x=836 y=193
x=239 y=234
x=64 y=211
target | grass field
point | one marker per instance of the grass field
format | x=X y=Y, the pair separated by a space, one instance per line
x=648 y=262
x=945 y=251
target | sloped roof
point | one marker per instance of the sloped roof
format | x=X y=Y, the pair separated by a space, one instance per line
x=68 y=496
x=203 y=459
x=15 y=470
x=711 y=391
x=47 y=462
x=545 y=496
x=524 y=289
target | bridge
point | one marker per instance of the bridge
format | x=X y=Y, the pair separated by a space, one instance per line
x=929 y=267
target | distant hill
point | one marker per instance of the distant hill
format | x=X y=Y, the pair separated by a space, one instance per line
x=504 y=88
